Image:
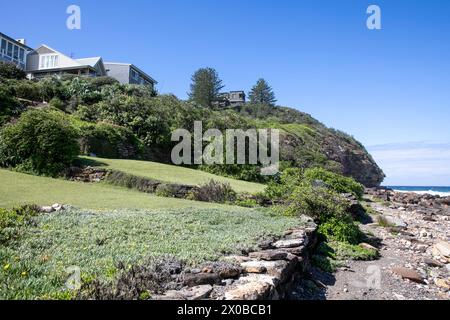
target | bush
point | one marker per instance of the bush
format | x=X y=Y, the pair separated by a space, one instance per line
x=288 y=181
x=214 y=191
x=42 y=141
x=12 y=221
x=319 y=203
x=341 y=230
x=9 y=106
x=122 y=179
x=335 y=181
x=108 y=141
x=10 y=71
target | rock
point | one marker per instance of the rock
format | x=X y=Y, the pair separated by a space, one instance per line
x=194 y=293
x=290 y=243
x=442 y=248
x=192 y=280
x=256 y=287
x=57 y=207
x=409 y=274
x=47 y=209
x=298 y=251
x=269 y=255
x=238 y=259
x=442 y=283
x=253 y=267
x=423 y=233
x=367 y=246
x=230 y=272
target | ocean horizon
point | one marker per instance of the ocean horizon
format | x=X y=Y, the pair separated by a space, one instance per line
x=433 y=190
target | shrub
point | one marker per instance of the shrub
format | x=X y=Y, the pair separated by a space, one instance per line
x=108 y=141
x=337 y=182
x=122 y=179
x=342 y=230
x=42 y=141
x=288 y=181
x=319 y=203
x=9 y=106
x=214 y=191
x=99 y=82
x=10 y=71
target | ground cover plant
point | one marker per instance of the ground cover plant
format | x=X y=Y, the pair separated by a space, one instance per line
x=35 y=265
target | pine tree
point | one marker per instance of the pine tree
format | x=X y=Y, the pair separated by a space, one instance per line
x=262 y=93
x=205 y=87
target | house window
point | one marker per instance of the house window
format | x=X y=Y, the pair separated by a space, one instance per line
x=9 y=53
x=49 y=61
x=16 y=53
x=3 y=48
x=21 y=55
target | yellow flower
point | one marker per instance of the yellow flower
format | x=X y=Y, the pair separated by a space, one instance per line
x=6 y=267
x=24 y=274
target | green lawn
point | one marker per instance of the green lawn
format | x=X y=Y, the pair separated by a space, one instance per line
x=174 y=174
x=18 y=188
x=36 y=265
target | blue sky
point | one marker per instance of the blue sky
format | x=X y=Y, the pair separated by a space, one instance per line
x=390 y=88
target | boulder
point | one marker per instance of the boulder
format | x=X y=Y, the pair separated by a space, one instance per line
x=409 y=274
x=442 y=248
x=252 y=287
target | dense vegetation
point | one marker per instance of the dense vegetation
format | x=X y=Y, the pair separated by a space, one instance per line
x=129 y=121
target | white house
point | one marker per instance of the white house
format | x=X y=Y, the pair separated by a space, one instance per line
x=46 y=61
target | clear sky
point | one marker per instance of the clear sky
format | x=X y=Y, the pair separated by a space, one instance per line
x=390 y=88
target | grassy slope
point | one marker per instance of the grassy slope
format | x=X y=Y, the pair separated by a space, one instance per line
x=17 y=189
x=174 y=174
x=97 y=242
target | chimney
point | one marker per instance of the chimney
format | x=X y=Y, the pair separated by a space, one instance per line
x=22 y=41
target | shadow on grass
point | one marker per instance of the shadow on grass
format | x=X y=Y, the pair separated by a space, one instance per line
x=83 y=162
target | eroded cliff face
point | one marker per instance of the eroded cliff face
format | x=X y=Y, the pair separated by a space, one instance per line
x=355 y=161
x=309 y=144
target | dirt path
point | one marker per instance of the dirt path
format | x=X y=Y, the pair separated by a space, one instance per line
x=410 y=248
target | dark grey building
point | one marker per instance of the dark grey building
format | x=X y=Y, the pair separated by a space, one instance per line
x=232 y=98
x=14 y=51
x=127 y=73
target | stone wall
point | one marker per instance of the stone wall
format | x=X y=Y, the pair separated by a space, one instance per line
x=267 y=274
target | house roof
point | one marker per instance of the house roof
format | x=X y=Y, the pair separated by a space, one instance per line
x=73 y=61
x=134 y=67
x=89 y=61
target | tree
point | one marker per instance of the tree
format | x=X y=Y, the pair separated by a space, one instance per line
x=262 y=93
x=10 y=71
x=205 y=87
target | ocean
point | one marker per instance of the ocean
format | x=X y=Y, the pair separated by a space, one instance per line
x=437 y=191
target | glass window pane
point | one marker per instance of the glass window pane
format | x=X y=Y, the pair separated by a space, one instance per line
x=10 y=49
x=3 y=48
x=16 y=52
x=22 y=55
